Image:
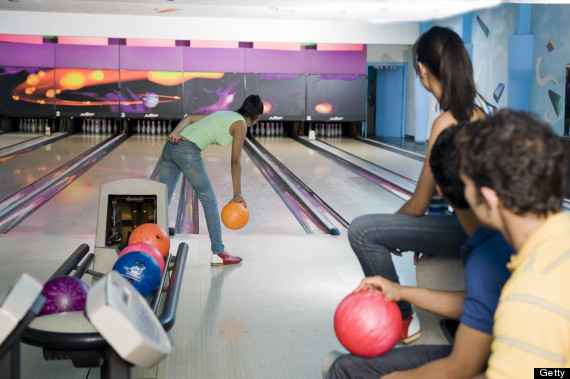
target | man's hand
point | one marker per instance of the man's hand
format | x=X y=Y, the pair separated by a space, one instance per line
x=390 y=289
x=395 y=375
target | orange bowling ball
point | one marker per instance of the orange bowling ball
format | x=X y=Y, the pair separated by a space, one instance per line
x=152 y=234
x=235 y=215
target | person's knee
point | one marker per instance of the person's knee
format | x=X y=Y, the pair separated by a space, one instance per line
x=208 y=201
x=338 y=369
x=356 y=227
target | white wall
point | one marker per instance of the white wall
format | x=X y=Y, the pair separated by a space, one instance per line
x=183 y=28
x=387 y=53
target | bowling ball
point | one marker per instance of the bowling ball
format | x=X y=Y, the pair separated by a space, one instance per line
x=145 y=248
x=152 y=234
x=64 y=294
x=366 y=324
x=235 y=215
x=150 y=100
x=141 y=270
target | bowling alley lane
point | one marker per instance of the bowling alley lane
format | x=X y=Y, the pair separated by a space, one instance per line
x=25 y=169
x=73 y=211
x=346 y=192
x=400 y=164
x=9 y=139
x=75 y=208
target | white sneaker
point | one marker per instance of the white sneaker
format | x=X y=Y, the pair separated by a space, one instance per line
x=216 y=260
x=411 y=329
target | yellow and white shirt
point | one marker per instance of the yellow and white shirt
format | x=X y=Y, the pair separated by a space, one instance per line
x=532 y=321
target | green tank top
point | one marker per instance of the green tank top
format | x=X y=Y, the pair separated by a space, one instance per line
x=214 y=128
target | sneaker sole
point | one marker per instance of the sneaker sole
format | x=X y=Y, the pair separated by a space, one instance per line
x=411 y=339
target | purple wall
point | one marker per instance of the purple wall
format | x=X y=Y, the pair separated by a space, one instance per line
x=25 y=55
x=151 y=58
x=183 y=58
x=213 y=60
x=276 y=62
x=336 y=62
x=91 y=57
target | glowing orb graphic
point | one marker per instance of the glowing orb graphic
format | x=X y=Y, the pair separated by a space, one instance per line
x=73 y=80
x=325 y=108
x=33 y=80
x=267 y=107
x=97 y=76
x=150 y=100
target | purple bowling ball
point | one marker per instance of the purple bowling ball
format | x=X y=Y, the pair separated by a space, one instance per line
x=64 y=294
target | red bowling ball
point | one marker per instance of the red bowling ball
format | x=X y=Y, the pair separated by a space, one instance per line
x=366 y=324
x=145 y=248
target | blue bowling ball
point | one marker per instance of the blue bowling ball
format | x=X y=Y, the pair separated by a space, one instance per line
x=141 y=270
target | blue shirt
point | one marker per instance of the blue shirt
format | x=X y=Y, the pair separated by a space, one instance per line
x=485 y=257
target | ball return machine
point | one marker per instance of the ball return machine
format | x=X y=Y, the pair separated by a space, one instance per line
x=119 y=328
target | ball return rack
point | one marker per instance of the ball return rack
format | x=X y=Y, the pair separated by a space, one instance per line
x=119 y=328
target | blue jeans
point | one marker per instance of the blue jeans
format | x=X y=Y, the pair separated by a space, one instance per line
x=370 y=236
x=184 y=158
x=398 y=359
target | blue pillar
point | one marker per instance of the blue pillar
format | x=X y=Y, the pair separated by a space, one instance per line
x=520 y=53
x=467 y=20
x=421 y=101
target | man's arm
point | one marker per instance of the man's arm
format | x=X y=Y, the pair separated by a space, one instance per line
x=468 y=357
x=448 y=304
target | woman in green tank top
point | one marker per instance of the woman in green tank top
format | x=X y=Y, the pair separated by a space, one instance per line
x=182 y=155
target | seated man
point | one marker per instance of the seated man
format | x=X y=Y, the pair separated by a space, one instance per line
x=485 y=256
x=513 y=167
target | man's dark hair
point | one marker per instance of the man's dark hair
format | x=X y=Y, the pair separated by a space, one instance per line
x=444 y=162
x=252 y=107
x=517 y=156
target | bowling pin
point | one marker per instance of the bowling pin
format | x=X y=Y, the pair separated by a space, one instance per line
x=97 y=128
x=281 y=130
x=153 y=128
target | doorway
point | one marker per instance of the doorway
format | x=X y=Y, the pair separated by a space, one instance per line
x=386 y=118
